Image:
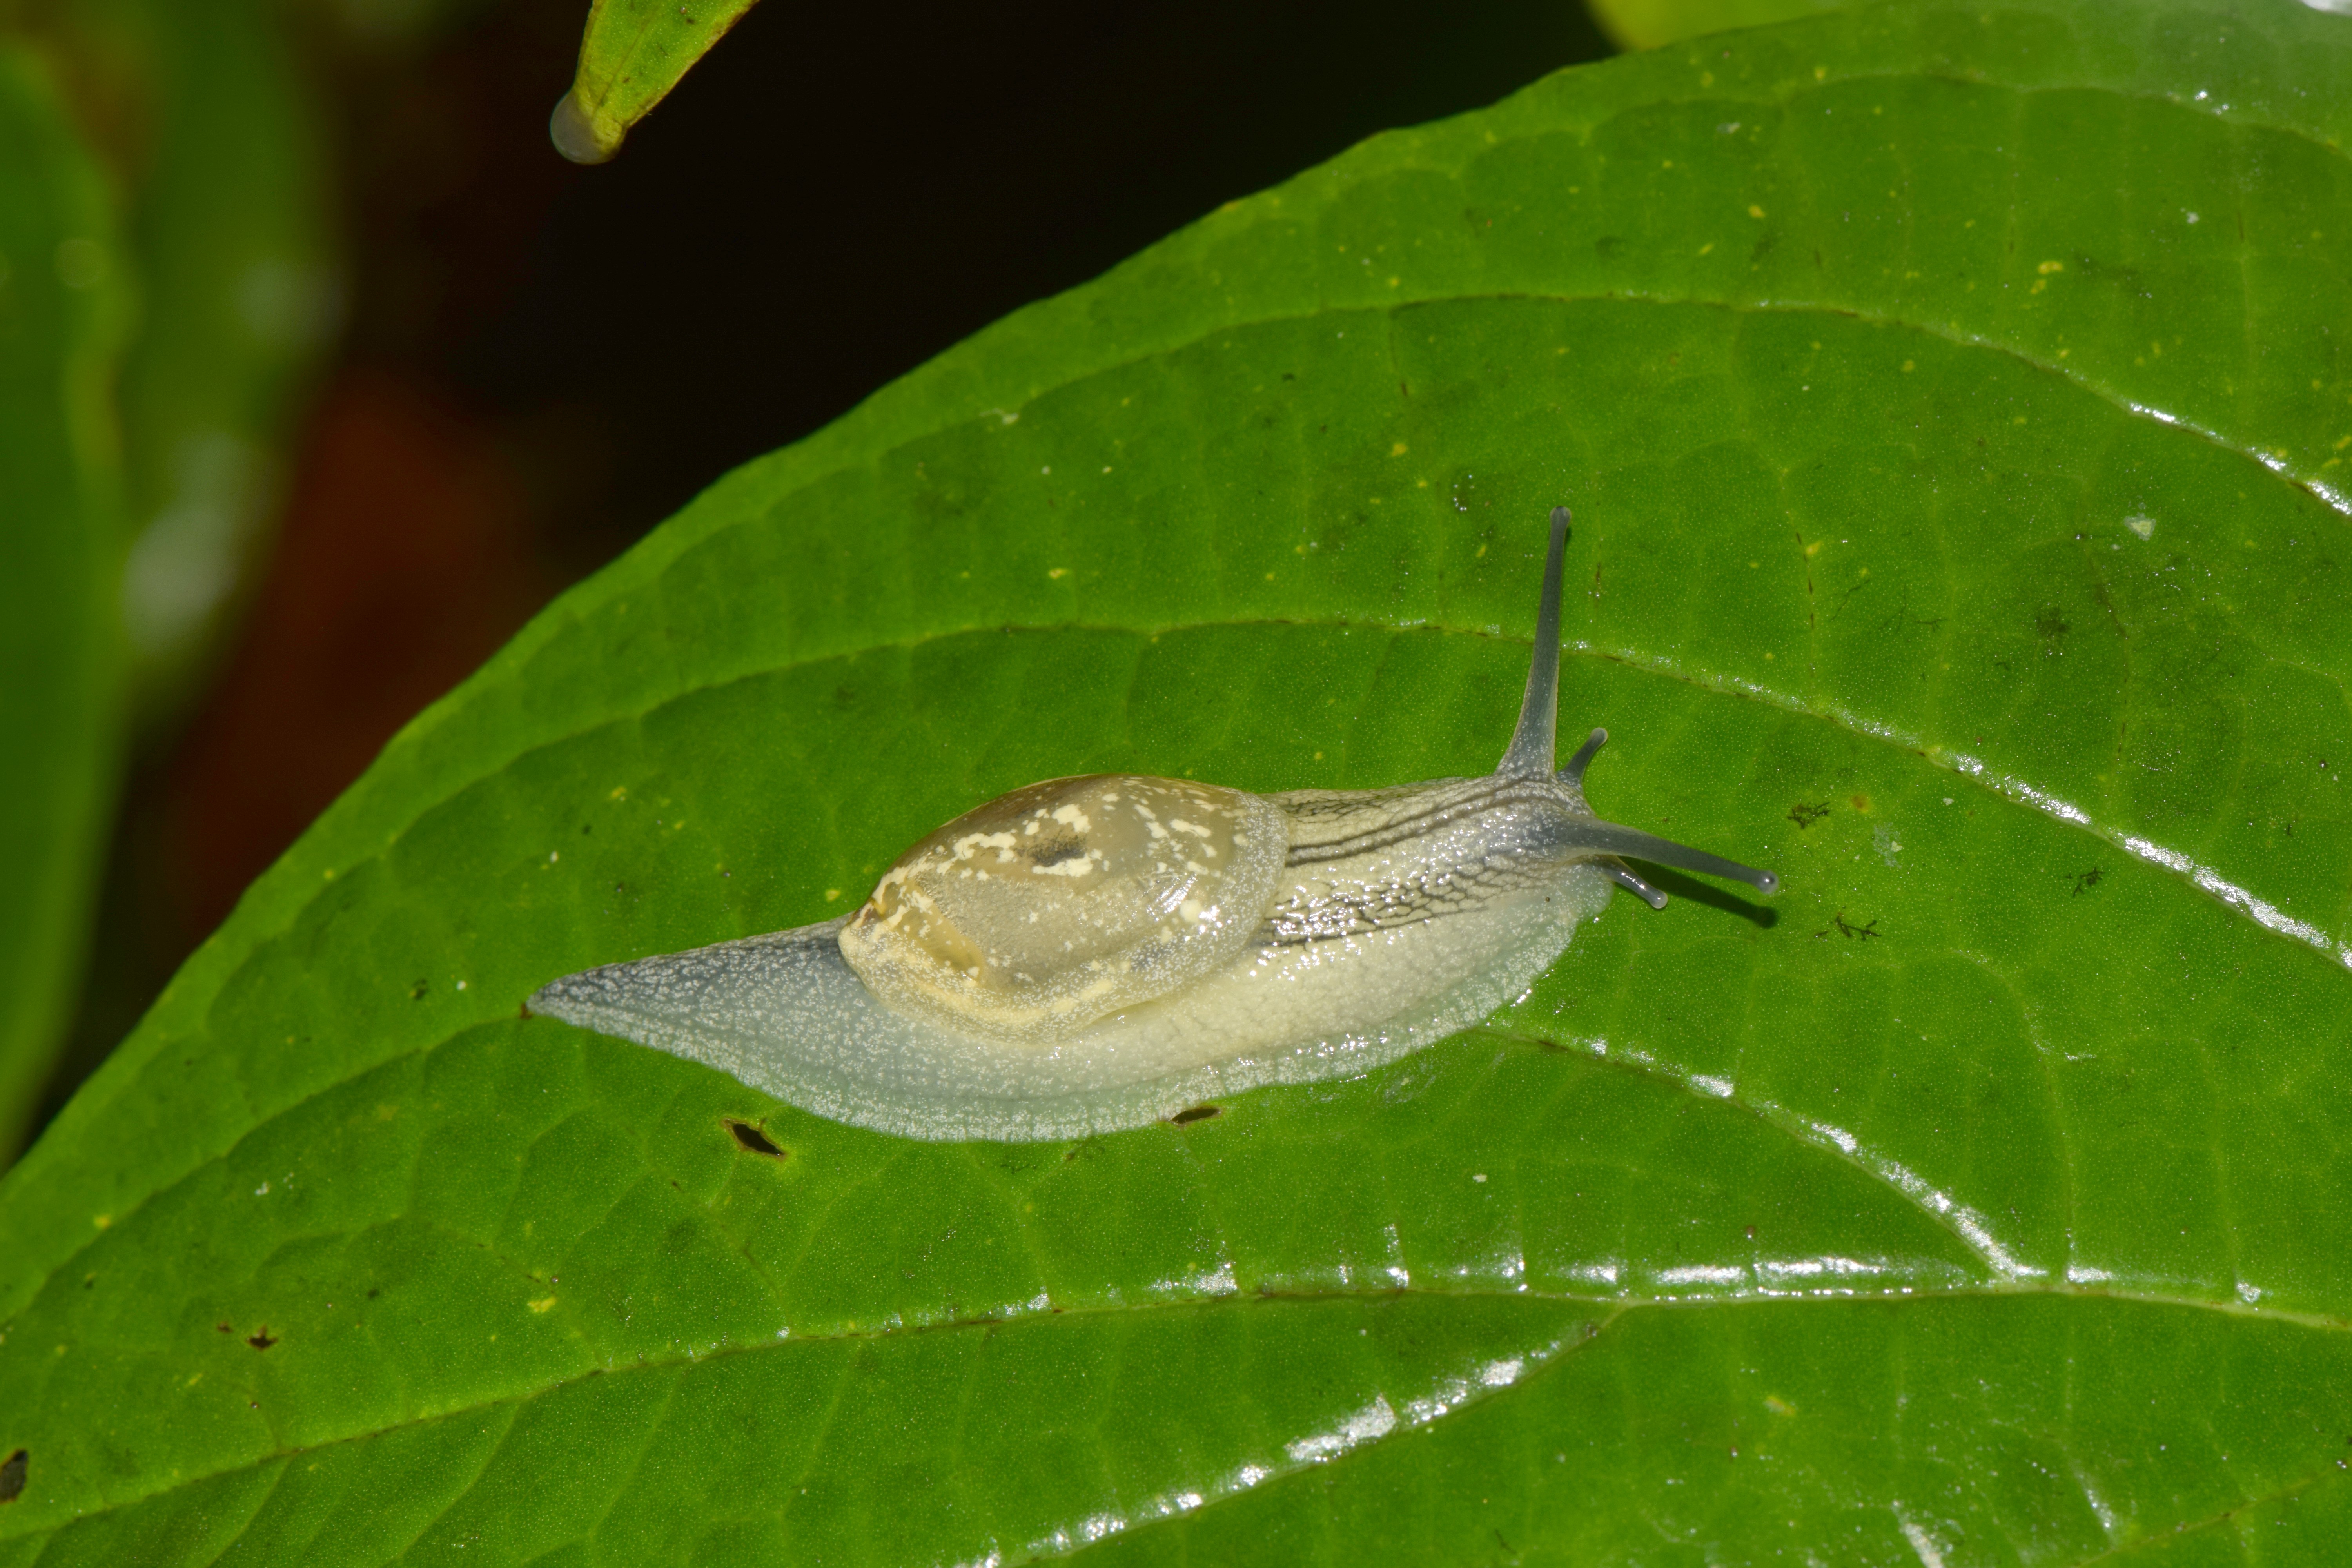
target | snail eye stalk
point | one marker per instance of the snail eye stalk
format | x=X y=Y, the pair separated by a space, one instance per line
x=1530 y=751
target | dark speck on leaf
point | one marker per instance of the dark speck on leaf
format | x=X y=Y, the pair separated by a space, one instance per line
x=1805 y=816
x=752 y=1141
x=260 y=1339
x=12 y=1475
x=2085 y=881
x=416 y=991
x=1197 y=1113
x=223 y=1328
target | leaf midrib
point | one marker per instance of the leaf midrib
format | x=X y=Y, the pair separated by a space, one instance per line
x=1612 y=1306
x=2152 y=1537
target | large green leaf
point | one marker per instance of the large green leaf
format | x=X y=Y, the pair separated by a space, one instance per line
x=63 y=292
x=1956 y=407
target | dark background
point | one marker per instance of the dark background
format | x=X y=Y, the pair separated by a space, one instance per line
x=539 y=363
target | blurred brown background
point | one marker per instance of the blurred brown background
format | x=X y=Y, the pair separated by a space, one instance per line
x=538 y=363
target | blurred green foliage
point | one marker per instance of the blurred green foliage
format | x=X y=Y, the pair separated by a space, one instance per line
x=203 y=161
x=216 y=157
x=65 y=302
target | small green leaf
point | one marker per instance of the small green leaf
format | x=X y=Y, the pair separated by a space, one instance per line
x=1956 y=410
x=1647 y=23
x=633 y=53
x=63 y=298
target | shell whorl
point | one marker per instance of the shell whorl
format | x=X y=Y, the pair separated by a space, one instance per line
x=1033 y=915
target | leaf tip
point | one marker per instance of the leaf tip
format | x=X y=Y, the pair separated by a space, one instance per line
x=578 y=136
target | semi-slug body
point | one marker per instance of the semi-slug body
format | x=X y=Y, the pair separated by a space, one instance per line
x=1088 y=954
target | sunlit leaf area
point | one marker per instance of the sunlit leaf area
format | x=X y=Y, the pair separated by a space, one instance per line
x=1954 y=406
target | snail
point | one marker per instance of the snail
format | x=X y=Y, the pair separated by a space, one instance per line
x=1090 y=954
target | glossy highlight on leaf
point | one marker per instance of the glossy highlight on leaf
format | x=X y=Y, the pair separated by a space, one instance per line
x=1955 y=417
